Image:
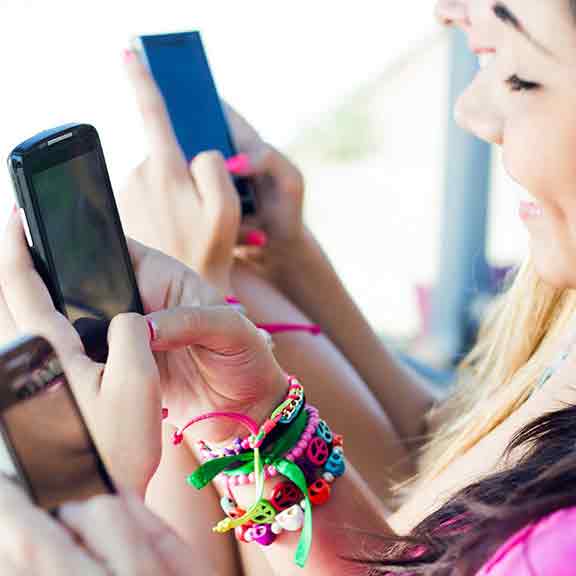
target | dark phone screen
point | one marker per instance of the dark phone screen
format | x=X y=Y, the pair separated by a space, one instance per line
x=180 y=68
x=55 y=457
x=87 y=251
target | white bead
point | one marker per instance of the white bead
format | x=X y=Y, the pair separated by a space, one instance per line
x=329 y=477
x=292 y=519
x=248 y=535
x=276 y=528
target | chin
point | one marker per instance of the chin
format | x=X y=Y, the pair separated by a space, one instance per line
x=553 y=273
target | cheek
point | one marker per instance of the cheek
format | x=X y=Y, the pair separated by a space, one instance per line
x=540 y=154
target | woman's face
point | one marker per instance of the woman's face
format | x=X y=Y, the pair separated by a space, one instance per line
x=524 y=99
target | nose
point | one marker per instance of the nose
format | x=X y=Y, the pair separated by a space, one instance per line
x=452 y=13
x=477 y=112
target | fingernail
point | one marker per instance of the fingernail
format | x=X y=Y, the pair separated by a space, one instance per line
x=256 y=238
x=238 y=164
x=15 y=209
x=128 y=55
x=164 y=413
x=152 y=329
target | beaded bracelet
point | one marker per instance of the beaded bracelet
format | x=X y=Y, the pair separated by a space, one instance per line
x=306 y=453
x=289 y=507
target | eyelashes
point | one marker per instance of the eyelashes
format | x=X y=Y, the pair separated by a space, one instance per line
x=517 y=84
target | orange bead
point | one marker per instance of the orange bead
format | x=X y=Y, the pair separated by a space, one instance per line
x=319 y=492
x=235 y=513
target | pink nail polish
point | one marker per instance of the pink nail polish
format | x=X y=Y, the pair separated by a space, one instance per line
x=238 y=164
x=128 y=55
x=164 y=413
x=152 y=329
x=15 y=209
x=256 y=238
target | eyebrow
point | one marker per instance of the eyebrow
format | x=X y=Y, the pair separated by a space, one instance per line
x=502 y=12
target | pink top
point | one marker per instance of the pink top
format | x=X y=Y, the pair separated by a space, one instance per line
x=546 y=548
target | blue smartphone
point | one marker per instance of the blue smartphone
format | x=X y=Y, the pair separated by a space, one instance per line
x=179 y=65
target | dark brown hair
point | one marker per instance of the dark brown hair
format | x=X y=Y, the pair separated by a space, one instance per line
x=461 y=536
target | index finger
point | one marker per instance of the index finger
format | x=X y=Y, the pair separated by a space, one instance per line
x=162 y=141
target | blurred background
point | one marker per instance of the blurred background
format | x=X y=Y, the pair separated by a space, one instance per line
x=417 y=218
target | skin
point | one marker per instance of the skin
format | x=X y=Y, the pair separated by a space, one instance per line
x=492 y=110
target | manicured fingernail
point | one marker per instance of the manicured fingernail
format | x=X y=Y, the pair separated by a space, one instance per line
x=128 y=55
x=152 y=329
x=256 y=238
x=238 y=165
x=164 y=413
x=15 y=209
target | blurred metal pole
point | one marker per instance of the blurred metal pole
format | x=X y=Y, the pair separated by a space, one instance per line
x=463 y=268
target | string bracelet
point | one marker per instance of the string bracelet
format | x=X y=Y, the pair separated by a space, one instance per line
x=276 y=328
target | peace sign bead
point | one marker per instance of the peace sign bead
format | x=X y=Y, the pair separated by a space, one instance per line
x=292 y=519
x=264 y=513
x=318 y=452
x=324 y=432
x=285 y=495
x=335 y=464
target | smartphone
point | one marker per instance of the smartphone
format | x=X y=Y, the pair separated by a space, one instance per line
x=179 y=65
x=73 y=228
x=47 y=447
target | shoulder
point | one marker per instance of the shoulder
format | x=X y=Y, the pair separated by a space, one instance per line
x=544 y=548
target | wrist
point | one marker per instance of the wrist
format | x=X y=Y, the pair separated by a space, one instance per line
x=261 y=410
x=218 y=279
x=284 y=257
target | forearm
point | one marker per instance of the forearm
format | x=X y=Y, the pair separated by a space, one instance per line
x=306 y=276
x=190 y=513
x=332 y=385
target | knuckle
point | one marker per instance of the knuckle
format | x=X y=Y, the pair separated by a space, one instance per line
x=207 y=160
x=151 y=105
x=191 y=320
x=104 y=509
x=125 y=323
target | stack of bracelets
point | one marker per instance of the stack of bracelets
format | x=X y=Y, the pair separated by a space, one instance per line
x=293 y=444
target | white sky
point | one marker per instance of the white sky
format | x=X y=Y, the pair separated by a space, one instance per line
x=280 y=63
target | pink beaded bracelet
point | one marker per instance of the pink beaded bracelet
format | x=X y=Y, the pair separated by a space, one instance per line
x=295 y=453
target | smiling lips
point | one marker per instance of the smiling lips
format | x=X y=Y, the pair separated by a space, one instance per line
x=529 y=210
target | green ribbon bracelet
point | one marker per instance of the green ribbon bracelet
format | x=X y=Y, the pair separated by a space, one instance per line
x=202 y=476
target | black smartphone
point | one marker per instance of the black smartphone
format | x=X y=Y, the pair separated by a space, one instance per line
x=74 y=231
x=179 y=65
x=47 y=447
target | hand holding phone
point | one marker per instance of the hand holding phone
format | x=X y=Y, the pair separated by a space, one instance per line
x=189 y=211
x=121 y=400
x=179 y=66
x=110 y=533
x=73 y=229
x=50 y=451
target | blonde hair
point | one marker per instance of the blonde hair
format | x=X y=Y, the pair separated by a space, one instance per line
x=517 y=342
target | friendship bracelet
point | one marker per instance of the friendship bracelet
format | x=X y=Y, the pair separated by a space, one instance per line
x=289 y=508
x=304 y=451
x=276 y=328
